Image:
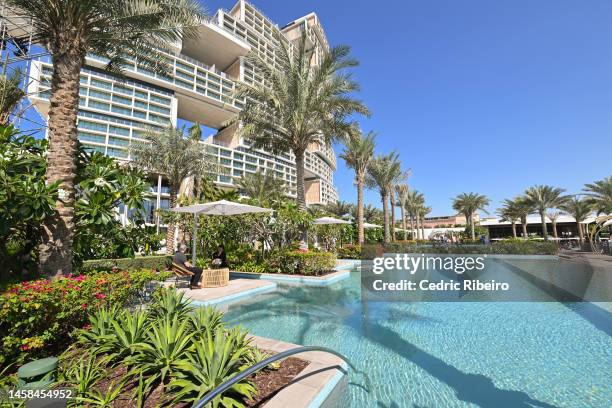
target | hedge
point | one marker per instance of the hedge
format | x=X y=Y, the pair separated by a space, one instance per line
x=157 y=262
x=506 y=247
x=311 y=263
x=37 y=317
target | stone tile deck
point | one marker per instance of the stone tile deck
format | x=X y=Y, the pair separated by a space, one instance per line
x=236 y=289
x=321 y=380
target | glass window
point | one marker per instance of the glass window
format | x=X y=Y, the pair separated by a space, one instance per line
x=238 y=156
x=159 y=109
x=90 y=137
x=113 y=152
x=93 y=149
x=122 y=89
x=118 y=141
x=160 y=99
x=123 y=111
x=85 y=124
x=139 y=114
x=140 y=104
x=141 y=94
x=99 y=105
x=121 y=99
x=99 y=94
x=119 y=130
x=101 y=84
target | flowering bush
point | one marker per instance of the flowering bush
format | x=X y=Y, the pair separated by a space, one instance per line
x=37 y=317
x=300 y=263
x=349 y=252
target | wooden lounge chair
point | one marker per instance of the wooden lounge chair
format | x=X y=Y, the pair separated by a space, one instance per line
x=182 y=273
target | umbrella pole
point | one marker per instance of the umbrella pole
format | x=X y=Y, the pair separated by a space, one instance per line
x=193 y=239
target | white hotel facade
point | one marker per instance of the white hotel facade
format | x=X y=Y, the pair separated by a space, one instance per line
x=115 y=111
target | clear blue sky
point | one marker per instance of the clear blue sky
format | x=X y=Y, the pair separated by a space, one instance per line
x=477 y=95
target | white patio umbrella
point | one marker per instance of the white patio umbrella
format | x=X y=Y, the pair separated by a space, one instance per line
x=330 y=220
x=222 y=207
x=368 y=225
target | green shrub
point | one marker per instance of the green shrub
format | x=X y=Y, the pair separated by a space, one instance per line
x=300 y=263
x=349 y=252
x=157 y=262
x=37 y=317
x=187 y=351
x=523 y=247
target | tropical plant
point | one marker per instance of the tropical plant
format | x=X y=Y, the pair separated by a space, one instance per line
x=299 y=105
x=424 y=210
x=26 y=200
x=358 y=152
x=383 y=172
x=341 y=209
x=216 y=359
x=580 y=209
x=402 y=190
x=206 y=319
x=543 y=197
x=10 y=94
x=164 y=353
x=553 y=216
x=171 y=304
x=85 y=373
x=177 y=157
x=414 y=202
x=599 y=195
x=511 y=213
x=112 y=29
x=264 y=189
x=467 y=204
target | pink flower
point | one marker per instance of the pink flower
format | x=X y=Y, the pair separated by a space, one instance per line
x=84 y=305
x=24 y=347
x=100 y=296
x=87 y=327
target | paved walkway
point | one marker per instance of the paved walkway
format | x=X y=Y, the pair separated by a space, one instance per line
x=235 y=287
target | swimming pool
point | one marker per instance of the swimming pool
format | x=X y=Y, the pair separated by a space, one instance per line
x=434 y=354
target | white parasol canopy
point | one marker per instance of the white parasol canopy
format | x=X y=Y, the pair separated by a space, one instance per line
x=368 y=225
x=222 y=207
x=330 y=220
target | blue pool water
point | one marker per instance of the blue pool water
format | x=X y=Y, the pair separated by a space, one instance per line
x=512 y=354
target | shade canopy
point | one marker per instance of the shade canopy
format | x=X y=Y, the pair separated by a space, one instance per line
x=368 y=225
x=222 y=207
x=330 y=220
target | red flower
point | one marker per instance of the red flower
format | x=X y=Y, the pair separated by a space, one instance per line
x=87 y=327
x=100 y=295
x=84 y=305
x=24 y=347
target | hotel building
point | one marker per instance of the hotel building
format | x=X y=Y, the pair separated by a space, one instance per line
x=115 y=111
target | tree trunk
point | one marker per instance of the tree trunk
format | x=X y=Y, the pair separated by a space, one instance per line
x=417 y=217
x=411 y=225
x=513 y=229
x=472 y=227
x=524 y=225
x=580 y=231
x=423 y=226
x=403 y=215
x=170 y=231
x=392 y=202
x=554 y=226
x=301 y=194
x=543 y=220
x=360 y=229
x=55 y=251
x=385 y=203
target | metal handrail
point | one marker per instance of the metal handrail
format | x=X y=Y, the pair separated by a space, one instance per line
x=262 y=364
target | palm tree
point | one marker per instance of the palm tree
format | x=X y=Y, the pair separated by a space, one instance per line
x=600 y=195
x=339 y=209
x=414 y=200
x=543 y=197
x=524 y=208
x=511 y=213
x=467 y=204
x=177 y=157
x=358 y=151
x=119 y=30
x=423 y=212
x=263 y=188
x=580 y=209
x=402 y=191
x=382 y=173
x=299 y=105
x=553 y=216
x=10 y=95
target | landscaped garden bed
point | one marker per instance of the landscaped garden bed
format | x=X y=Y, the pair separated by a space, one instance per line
x=289 y=262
